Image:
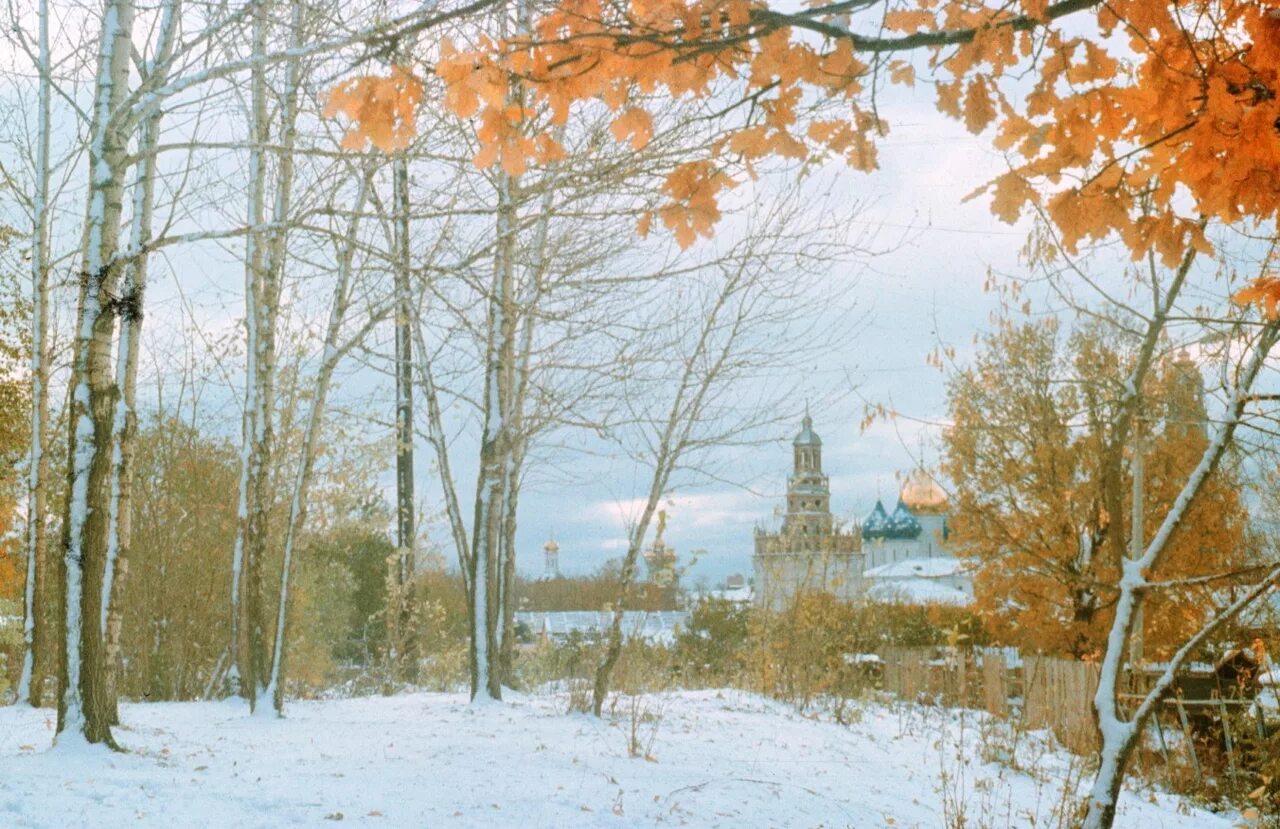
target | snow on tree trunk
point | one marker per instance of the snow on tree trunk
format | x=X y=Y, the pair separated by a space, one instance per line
x=1120 y=736
x=495 y=450
x=241 y=675
x=83 y=708
x=262 y=649
x=125 y=425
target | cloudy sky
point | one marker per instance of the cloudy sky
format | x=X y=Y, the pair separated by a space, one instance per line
x=926 y=290
x=923 y=292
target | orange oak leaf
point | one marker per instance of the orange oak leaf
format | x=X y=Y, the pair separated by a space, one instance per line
x=381 y=109
x=1264 y=291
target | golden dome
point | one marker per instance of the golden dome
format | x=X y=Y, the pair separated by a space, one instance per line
x=922 y=494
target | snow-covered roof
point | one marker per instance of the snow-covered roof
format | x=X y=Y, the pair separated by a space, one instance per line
x=917 y=591
x=901 y=525
x=653 y=625
x=922 y=568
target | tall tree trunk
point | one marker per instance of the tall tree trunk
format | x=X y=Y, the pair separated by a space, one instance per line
x=404 y=642
x=246 y=577
x=315 y=422
x=498 y=444
x=36 y=635
x=125 y=424
x=82 y=699
x=266 y=260
x=495 y=457
x=528 y=308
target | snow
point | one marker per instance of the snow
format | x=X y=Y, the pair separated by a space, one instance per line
x=926 y=568
x=651 y=625
x=918 y=591
x=717 y=759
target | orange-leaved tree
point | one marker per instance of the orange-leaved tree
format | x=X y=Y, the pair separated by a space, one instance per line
x=1101 y=108
x=15 y=412
x=1031 y=426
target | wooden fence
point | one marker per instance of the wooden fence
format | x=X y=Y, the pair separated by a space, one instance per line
x=1047 y=693
x=1198 y=725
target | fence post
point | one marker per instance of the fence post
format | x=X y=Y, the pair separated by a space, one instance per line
x=995 y=695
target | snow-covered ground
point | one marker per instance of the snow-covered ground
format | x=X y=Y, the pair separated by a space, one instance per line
x=716 y=758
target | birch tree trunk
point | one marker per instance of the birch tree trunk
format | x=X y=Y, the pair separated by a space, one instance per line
x=242 y=675
x=125 y=423
x=528 y=306
x=495 y=459
x=36 y=636
x=268 y=307
x=265 y=262
x=83 y=706
x=315 y=422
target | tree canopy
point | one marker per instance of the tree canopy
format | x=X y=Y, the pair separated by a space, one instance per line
x=1139 y=118
x=1031 y=425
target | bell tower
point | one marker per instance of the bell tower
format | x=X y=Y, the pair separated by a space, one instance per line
x=808 y=553
x=808 y=516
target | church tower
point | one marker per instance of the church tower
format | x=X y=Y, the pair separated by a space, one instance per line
x=808 y=553
x=808 y=516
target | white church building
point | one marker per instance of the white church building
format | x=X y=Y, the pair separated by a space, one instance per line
x=899 y=556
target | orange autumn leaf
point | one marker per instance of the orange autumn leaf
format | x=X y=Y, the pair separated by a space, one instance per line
x=635 y=124
x=1264 y=291
x=979 y=109
x=381 y=109
x=907 y=20
x=902 y=72
x=1010 y=192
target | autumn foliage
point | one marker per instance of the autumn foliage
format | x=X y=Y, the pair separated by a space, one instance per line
x=381 y=109
x=1136 y=118
x=15 y=412
x=1031 y=426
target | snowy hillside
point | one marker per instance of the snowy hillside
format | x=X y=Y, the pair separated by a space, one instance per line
x=715 y=759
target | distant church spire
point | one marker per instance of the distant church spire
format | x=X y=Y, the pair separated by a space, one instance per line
x=551 y=558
